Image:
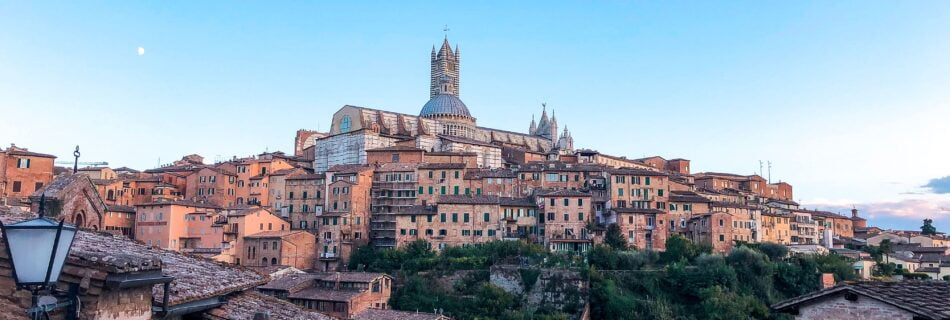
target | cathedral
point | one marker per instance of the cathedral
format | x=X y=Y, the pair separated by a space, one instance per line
x=444 y=124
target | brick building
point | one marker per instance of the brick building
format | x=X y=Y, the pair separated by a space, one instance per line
x=567 y=220
x=23 y=172
x=239 y=223
x=341 y=295
x=714 y=229
x=294 y=248
x=169 y=224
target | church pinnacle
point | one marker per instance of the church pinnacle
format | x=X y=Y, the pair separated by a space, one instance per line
x=444 y=65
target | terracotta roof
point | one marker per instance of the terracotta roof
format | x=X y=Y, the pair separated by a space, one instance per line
x=522 y=202
x=637 y=210
x=25 y=153
x=926 y=299
x=349 y=168
x=389 y=314
x=540 y=166
x=449 y=153
x=417 y=209
x=245 y=305
x=489 y=173
x=187 y=203
x=637 y=172
x=196 y=278
x=396 y=148
x=274 y=234
x=314 y=176
x=686 y=196
x=291 y=282
x=443 y=166
x=469 y=199
x=324 y=294
x=284 y=172
x=562 y=193
x=120 y=208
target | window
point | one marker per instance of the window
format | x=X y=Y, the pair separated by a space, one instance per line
x=455 y=217
x=456 y=174
x=442 y=190
x=395 y=157
x=345 y=124
x=580 y=202
x=487 y=217
x=566 y=217
x=16 y=186
x=465 y=217
x=648 y=181
x=567 y=202
x=456 y=189
x=23 y=163
x=722 y=238
x=580 y=216
x=290 y=195
x=442 y=217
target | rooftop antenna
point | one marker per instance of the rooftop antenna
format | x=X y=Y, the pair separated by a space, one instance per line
x=760 y=168
x=770 y=171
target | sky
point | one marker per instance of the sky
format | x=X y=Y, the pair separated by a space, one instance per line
x=847 y=99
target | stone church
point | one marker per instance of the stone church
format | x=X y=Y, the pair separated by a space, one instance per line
x=444 y=124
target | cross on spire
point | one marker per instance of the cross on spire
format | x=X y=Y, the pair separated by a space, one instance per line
x=445 y=30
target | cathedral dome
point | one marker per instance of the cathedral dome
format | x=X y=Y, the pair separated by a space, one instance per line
x=445 y=104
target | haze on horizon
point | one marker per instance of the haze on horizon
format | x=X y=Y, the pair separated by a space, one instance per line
x=847 y=99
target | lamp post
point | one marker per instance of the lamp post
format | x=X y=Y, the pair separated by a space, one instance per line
x=37 y=250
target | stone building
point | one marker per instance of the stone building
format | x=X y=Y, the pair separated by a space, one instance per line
x=305 y=200
x=72 y=197
x=341 y=295
x=567 y=220
x=239 y=223
x=23 y=172
x=293 y=248
x=645 y=229
x=444 y=124
x=714 y=229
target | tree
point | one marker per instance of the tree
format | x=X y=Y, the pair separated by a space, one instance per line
x=885 y=249
x=614 y=238
x=679 y=249
x=928 y=228
x=775 y=251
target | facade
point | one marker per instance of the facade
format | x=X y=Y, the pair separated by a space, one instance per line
x=567 y=220
x=176 y=225
x=714 y=229
x=23 y=172
x=72 y=197
x=293 y=248
x=237 y=224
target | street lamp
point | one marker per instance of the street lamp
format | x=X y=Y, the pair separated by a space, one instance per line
x=37 y=250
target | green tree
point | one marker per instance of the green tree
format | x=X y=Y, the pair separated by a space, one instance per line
x=885 y=248
x=928 y=228
x=775 y=251
x=614 y=238
x=678 y=249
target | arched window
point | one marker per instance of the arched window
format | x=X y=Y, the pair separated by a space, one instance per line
x=273 y=261
x=345 y=124
x=263 y=261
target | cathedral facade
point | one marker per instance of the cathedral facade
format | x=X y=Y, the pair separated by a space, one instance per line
x=444 y=124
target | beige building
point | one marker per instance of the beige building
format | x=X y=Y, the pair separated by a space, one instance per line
x=239 y=223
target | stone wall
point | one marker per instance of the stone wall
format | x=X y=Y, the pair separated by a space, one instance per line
x=558 y=289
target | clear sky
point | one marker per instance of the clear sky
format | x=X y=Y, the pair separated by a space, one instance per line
x=848 y=99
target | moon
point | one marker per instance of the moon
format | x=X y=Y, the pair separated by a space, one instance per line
x=141 y=51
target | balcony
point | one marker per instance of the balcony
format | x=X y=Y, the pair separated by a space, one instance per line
x=328 y=256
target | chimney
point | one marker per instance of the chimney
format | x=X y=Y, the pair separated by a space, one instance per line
x=827 y=280
x=854 y=212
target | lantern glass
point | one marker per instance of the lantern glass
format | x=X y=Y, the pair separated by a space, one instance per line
x=31 y=250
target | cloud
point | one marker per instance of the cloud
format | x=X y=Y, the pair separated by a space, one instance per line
x=939 y=185
x=907 y=209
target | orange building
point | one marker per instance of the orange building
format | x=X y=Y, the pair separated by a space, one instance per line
x=304 y=200
x=213 y=185
x=239 y=223
x=23 y=172
x=645 y=229
x=567 y=217
x=293 y=248
x=714 y=229
x=344 y=224
x=167 y=224
x=437 y=179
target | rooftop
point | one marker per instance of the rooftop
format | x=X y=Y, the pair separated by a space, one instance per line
x=926 y=299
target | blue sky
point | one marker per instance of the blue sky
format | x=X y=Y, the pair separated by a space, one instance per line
x=848 y=99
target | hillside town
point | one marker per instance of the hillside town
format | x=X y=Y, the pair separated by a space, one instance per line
x=275 y=235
